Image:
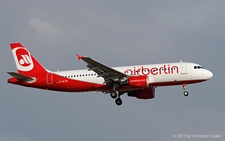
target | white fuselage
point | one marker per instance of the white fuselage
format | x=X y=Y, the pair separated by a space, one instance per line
x=158 y=73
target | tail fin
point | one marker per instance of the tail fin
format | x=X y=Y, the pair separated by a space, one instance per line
x=25 y=62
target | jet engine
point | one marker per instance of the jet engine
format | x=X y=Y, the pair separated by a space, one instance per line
x=138 y=81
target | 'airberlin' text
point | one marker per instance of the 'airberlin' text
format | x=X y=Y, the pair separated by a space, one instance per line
x=165 y=69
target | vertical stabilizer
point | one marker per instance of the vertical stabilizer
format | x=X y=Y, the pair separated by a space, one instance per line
x=25 y=62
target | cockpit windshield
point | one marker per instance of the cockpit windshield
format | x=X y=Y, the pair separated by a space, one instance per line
x=198 y=67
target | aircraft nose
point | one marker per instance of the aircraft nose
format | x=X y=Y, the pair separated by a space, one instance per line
x=209 y=74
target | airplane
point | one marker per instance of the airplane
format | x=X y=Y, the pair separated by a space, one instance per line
x=137 y=81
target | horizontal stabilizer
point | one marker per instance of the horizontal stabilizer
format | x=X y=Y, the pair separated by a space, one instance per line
x=20 y=77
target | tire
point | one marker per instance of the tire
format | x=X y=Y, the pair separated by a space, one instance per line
x=113 y=94
x=185 y=93
x=118 y=101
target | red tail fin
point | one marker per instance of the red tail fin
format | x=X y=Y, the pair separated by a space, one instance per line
x=25 y=62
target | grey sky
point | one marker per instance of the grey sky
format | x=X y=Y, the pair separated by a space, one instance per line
x=115 y=33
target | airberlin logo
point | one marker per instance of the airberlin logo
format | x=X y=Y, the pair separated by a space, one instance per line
x=23 y=59
x=165 y=69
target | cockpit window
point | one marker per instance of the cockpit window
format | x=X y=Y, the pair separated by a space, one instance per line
x=198 y=67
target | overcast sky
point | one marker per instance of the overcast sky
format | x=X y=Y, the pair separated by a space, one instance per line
x=115 y=33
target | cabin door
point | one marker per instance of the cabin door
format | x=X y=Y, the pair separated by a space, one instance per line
x=49 y=78
x=183 y=68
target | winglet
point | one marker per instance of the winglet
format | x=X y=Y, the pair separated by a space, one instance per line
x=79 y=56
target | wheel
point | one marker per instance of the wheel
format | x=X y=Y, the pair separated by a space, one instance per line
x=185 y=93
x=113 y=94
x=118 y=101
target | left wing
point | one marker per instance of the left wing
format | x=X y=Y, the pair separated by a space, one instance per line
x=109 y=74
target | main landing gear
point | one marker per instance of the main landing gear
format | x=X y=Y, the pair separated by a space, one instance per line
x=185 y=89
x=118 y=100
x=116 y=96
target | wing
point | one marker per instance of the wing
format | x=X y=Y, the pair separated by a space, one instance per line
x=109 y=74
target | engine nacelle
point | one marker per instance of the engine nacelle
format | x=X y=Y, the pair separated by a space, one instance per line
x=143 y=94
x=138 y=81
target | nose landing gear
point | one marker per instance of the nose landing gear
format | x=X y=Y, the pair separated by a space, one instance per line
x=185 y=89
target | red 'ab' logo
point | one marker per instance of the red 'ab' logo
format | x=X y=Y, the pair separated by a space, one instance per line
x=23 y=59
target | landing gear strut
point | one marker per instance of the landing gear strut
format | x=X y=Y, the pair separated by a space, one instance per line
x=185 y=89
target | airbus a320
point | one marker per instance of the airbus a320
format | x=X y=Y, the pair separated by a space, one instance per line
x=137 y=81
